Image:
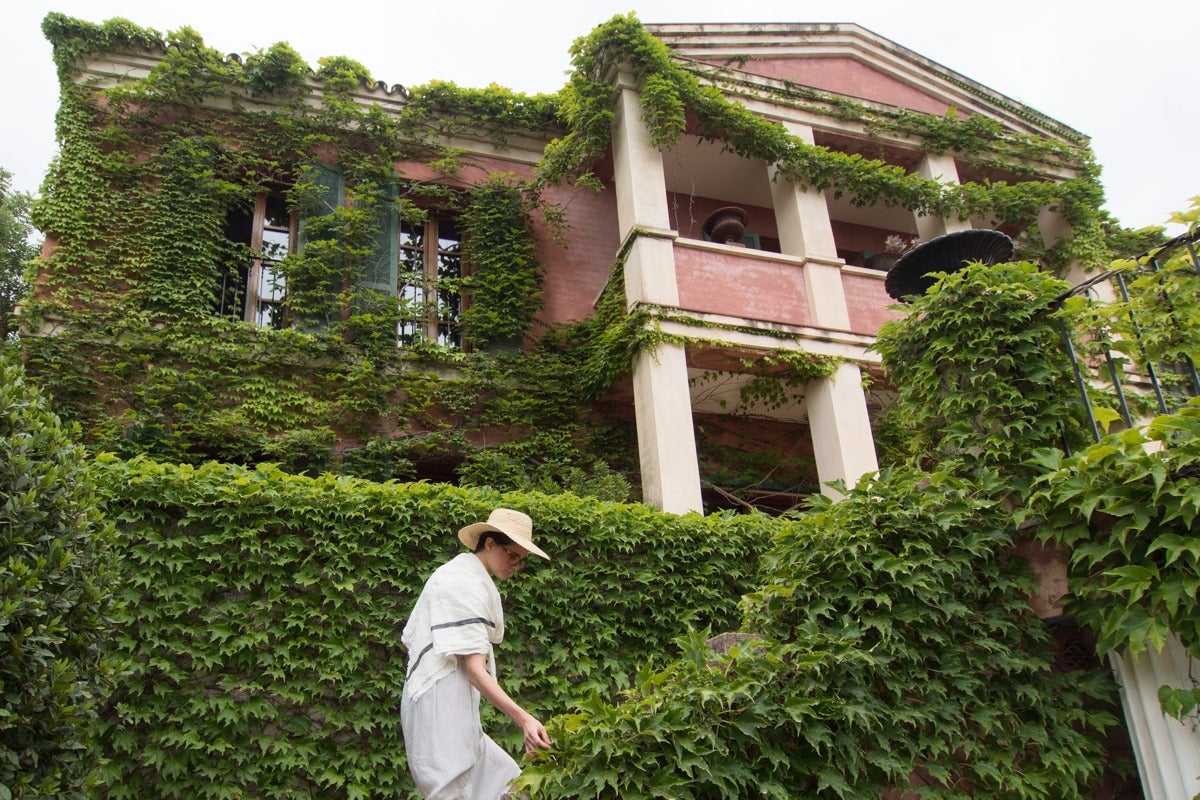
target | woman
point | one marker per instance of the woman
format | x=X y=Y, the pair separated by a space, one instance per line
x=456 y=621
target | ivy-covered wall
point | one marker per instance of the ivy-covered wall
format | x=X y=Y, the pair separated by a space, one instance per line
x=892 y=649
x=274 y=673
x=260 y=615
x=149 y=369
x=892 y=646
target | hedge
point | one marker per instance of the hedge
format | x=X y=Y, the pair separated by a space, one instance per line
x=261 y=612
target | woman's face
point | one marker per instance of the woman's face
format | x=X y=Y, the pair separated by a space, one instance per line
x=503 y=560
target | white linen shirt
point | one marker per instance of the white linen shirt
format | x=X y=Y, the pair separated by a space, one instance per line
x=458 y=613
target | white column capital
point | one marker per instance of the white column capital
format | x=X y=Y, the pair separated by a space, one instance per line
x=941 y=168
x=801 y=131
x=1054 y=228
x=639 y=179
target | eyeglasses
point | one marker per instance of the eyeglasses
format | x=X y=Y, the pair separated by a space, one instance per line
x=515 y=555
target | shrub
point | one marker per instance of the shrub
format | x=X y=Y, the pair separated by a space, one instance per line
x=53 y=599
x=895 y=648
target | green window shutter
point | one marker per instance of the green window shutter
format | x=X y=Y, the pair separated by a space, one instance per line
x=379 y=272
x=331 y=194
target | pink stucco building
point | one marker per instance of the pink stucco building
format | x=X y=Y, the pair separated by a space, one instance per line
x=802 y=276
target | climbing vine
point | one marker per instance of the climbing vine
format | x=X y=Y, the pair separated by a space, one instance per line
x=891 y=646
x=304 y=133
x=974 y=380
x=670 y=90
x=261 y=612
x=151 y=369
x=1126 y=508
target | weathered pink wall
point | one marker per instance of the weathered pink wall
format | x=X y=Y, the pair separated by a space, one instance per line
x=845 y=76
x=867 y=302
x=578 y=270
x=716 y=282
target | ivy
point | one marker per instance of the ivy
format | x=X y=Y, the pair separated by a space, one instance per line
x=1129 y=515
x=151 y=370
x=979 y=368
x=892 y=646
x=496 y=110
x=75 y=39
x=668 y=90
x=505 y=284
x=261 y=613
x=280 y=70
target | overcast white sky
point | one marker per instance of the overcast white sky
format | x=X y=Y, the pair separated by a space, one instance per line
x=1121 y=71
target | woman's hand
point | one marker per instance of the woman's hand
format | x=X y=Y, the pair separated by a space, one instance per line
x=536 y=737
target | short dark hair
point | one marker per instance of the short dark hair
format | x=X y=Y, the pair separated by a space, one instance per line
x=501 y=539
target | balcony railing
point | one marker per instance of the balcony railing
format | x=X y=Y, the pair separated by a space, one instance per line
x=1145 y=346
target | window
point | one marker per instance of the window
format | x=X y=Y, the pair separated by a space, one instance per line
x=415 y=269
x=429 y=281
x=253 y=290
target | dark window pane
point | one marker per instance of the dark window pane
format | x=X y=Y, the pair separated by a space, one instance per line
x=412 y=236
x=277 y=213
x=231 y=293
x=270 y=315
x=239 y=225
x=448 y=235
x=231 y=289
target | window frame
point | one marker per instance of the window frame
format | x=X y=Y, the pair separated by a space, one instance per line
x=255 y=298
x=429 y=324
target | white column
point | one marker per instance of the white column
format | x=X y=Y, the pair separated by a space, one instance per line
x=1168 y=751
x=939 y=168
x=841 y=428
x=666 y=441
x=805 y=230
x=661 y=397
x=1054 y=228
x=639 y=179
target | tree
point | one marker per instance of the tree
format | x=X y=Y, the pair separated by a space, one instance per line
x=54 y=598
x=16 y=248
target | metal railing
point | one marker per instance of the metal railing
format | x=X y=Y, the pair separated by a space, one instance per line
x=1146 y=371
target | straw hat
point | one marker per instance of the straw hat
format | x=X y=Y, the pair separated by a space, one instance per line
x=513 y=524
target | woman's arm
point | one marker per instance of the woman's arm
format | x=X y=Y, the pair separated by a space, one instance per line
x=535 y=733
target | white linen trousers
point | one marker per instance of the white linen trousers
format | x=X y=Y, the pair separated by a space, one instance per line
x=449 y=755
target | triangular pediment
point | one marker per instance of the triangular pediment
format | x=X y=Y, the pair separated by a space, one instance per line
x=847 y=76
x=852 y=62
